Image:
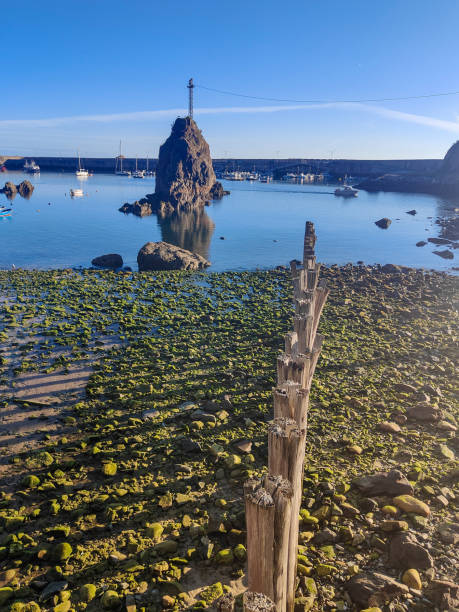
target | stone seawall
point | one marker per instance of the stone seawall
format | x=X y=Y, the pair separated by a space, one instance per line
x=335 y=167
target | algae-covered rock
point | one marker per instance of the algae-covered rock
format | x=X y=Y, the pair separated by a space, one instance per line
x=154 y=531
x=109 y=469
x=110 y=600
x=167 y=547
x=412 y=579
x=5 y=594
x=322 y=569
x=407 y=503
x=165 y=501
x=62 y=551
x=240 y=552
x=212 y=592
x=64 y=606
x=30 y=481
x=224 y=557
x=87 y=592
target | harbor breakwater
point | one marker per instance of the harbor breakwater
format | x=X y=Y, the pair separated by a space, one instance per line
x=277 y=167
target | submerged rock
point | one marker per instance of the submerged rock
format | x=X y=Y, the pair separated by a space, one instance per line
x=383 y=223
x=165 y=256
x=446 y=254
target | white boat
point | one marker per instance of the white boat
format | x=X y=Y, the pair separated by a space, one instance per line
x=234 y=176
x=252 y=176
x=346 y=191
x=76 y=193
x=119 y=170
x=139 y=174
x=31 y=167
x=81 y=172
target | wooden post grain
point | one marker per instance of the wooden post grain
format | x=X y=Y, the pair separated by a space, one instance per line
x=272 y=507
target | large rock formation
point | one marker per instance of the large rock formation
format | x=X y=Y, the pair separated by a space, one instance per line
x=185 y=178
x=165 y=256
x=184 y=175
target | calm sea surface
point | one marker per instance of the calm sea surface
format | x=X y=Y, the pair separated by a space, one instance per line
x=262 y=225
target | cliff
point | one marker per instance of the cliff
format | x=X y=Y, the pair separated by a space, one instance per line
x=443 y=181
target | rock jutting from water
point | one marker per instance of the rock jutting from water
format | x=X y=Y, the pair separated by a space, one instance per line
x=165 y=256
x=25 y=189
x=185 y=178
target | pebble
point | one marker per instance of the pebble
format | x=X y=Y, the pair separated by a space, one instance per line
x=407 y=503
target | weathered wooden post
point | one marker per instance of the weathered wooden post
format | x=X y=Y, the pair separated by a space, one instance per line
x=273 y=505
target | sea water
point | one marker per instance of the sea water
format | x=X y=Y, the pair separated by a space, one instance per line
x=258 y=225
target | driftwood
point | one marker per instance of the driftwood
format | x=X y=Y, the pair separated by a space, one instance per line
x=272 y=506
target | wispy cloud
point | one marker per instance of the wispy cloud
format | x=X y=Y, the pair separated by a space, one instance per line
x=424 y=120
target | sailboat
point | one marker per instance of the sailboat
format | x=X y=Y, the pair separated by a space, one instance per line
x=120 y=171
x=138 y=173
x=81 y=172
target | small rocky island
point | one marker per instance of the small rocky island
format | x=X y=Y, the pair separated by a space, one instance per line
x=25 y=189
x=185 y=178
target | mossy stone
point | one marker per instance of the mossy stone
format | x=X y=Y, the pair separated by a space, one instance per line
x=240 y=552
x=224 y=557
x=154 y=531
x=109 y=469
x=5 y=594
x=110 y=600
x=87 y=592
x=64 y=606
x=167 y=547
x=212 y=592
x=322 y=569
x=62 y=551
x=31 y=481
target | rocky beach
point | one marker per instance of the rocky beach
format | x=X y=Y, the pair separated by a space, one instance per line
x=134 y=406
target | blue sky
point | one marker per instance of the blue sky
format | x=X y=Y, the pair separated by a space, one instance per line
x=83 y=75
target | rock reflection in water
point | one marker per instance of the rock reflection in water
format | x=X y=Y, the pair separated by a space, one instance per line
x=191 y=230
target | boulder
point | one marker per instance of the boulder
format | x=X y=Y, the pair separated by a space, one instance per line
x=112 y=260
x=140 y=208
x=374 y=589
x=383 y=223
x=384 y=483
x=412 y=212
x=423 y=411
x=406 y=553
x=444 y=594
x=10 y=189
x=165 y=256
x=25 y=189
x=217 y=192
x=421 y=243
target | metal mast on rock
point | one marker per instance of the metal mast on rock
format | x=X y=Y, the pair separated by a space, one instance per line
x=190 y=87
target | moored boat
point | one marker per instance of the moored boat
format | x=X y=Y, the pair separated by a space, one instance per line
x=81 y=172
x=76 y=193
x=31 y=167
x=346 y=191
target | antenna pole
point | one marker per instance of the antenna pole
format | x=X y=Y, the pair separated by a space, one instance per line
x=190 y=87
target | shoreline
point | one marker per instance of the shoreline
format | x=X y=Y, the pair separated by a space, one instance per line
x=135 y=486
